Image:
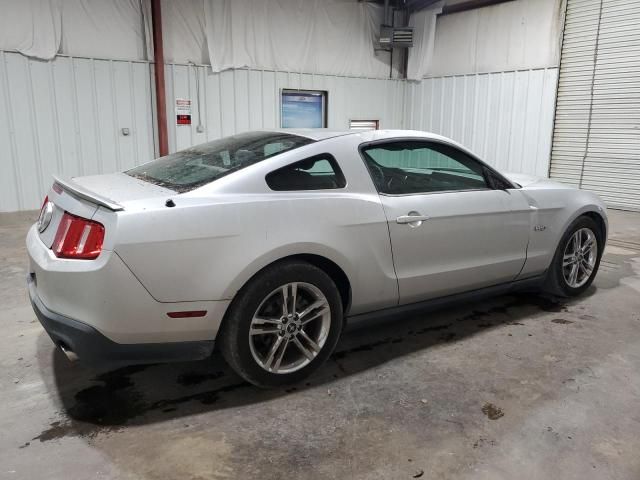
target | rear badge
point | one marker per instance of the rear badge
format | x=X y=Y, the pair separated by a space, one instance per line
x=45 y=217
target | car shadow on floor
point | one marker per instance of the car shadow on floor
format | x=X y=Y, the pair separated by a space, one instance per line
x=93 y=401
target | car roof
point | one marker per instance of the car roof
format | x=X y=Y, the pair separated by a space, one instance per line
x=319 y=134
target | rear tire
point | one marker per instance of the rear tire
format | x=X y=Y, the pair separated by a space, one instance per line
x=270 y=341
x=577 y=258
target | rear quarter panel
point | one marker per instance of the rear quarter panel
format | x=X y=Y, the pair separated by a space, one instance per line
x=217 y=238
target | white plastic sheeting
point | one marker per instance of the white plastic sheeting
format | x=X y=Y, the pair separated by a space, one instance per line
x=31 y=27
x=238 y=100
x=66 y=117
x=42 y=29
x=184 y=31
x=522 y=34
x=506 y=117
x=114 y=29
x=421 y=54
x=320 y=36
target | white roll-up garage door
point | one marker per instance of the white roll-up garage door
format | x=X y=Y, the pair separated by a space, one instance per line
x=596 y=140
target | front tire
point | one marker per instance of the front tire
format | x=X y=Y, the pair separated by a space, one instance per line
x=577 y=258
x=282 y=325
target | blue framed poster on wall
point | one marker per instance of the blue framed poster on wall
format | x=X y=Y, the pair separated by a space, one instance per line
x=303 y=108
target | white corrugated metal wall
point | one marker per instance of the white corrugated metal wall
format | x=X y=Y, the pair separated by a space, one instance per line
x=596 y=143
x=76 y=108
x=238 y=100
x=506 y=118
x=65 y=117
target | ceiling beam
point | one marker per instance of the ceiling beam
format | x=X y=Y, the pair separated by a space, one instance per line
x=469 y=5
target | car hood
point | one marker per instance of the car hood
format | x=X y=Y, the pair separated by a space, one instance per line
x=531 y=181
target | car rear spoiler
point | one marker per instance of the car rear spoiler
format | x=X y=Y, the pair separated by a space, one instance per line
x=78 y=190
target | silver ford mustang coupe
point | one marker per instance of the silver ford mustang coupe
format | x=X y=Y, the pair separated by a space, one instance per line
x=267 y=242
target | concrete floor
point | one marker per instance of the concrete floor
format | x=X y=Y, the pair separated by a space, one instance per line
x=514 y=387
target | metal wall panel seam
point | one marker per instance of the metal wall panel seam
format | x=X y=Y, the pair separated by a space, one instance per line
x=431 y=102
x=53 y=98
x=206 y=103
x=535 y=157
x=150 y=105
x=441 y=120
x=66 y=55
x=249 y=98
x=96 y=119
x=114 y=112
x=34 y=125
x=235 y=104
x=14 y=147
x=513 y=113
x=172 y=116
x=134 y=123
x=190 y=97
x=493 y=72
x=500 y=111
x=220 y=115
x=74 y=89
x=487 y=117
x=276 y=104
x=524 y=126
x=453 y=107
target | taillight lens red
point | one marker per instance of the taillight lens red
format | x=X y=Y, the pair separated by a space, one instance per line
x=78 y=238
x=46 y=199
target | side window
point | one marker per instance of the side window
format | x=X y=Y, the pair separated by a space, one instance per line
x=316 y=173
x=274 y=148
x=407 y=167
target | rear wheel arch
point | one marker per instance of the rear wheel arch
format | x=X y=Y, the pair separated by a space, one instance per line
x=247 y=358
x=327 y=265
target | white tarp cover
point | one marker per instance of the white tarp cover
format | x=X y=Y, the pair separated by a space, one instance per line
x=92 y=28
x=184 y=31
x=509 y=36
x=323 y=36
x=424 y=33
x=32 y=27
x=314 y=36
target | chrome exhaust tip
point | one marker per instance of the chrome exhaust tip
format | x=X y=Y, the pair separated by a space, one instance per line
x=71 y=356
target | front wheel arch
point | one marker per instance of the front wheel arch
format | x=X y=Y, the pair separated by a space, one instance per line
x=553 y=282
x=602 y=225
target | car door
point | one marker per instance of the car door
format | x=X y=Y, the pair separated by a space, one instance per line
x=450 y=231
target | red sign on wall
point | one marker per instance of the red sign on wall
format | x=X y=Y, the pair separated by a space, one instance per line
x=183 y=111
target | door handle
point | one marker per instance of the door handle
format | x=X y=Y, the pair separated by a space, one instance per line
x=414 y=219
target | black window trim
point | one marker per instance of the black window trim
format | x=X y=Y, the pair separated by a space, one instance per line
x=485 y=168
x=324 y=156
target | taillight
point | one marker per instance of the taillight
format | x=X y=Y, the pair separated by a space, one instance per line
x=46 y=199
x=78 y=238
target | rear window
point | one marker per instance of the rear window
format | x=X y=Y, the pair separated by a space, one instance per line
x=191 y=168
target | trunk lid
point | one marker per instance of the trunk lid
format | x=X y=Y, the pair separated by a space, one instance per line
x=83 y=196
x=119 y=188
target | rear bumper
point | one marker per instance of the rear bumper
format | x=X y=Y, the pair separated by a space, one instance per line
x=106 y=296
x=92 y=347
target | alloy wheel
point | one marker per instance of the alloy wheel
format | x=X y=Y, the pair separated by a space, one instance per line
x=290 y=327
x=579 y=259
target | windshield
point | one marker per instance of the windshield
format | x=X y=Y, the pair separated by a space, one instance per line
x=191 y=168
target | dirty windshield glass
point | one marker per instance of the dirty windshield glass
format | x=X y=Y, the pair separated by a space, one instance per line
x=191 y=168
